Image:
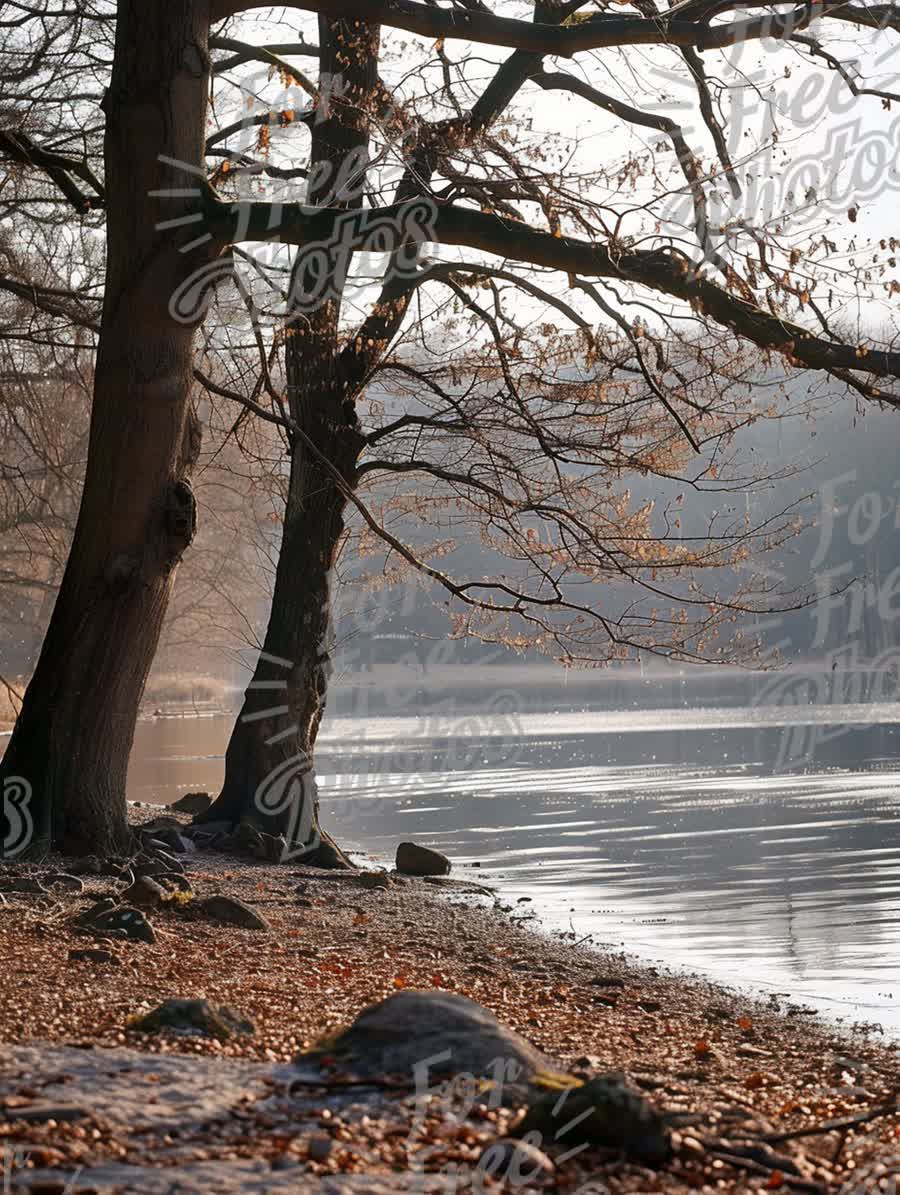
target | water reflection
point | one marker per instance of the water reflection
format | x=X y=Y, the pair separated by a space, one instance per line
x=661 y=832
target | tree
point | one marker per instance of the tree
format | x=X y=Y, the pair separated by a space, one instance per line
x=74 y=733
x=413 y=142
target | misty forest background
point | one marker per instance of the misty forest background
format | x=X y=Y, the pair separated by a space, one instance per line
x=390 y=617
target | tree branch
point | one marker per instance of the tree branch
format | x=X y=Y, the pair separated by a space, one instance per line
x=665 y=272
x=266 y=54
x=20 y=148
x=597 y=32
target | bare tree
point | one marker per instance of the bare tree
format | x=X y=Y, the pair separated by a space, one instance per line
x=46 y=377
x=413 y=129
x=74 y=734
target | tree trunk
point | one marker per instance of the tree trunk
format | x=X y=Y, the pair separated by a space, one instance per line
x=72 y=740
x=269 y=776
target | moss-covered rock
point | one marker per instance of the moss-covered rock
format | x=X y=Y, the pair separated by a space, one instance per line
x=193 y=1016
x=430 y=1036
x=606 y=1111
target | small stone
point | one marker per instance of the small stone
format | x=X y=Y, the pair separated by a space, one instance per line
x=126 y=921
x=192 y=803
x=193 y=1016
x=319 y=1147
x=516 y=1162
x=146 y=893
x=416 y=860
x=101 y=904
x=169 y=840
x=374 y=879
x=93 y=955
x=233 y=912
x=650 y=1082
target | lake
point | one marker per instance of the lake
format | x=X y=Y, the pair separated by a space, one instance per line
x=758 y=845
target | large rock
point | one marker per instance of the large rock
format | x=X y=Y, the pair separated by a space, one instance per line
x=428 y=1036
x=193 y=1016
x=232 y=911
x=607 y=1111
x=416 y=860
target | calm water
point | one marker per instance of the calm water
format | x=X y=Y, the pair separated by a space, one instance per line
x=668 y=833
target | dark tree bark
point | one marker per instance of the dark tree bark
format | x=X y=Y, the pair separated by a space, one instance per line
x=269 y=774
x=74 y=734
x=269 y=777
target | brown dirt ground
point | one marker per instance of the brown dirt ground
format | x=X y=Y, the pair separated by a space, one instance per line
x=335 y=947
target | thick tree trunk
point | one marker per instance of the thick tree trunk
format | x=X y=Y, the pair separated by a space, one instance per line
x=73 y=737
x=269 y=776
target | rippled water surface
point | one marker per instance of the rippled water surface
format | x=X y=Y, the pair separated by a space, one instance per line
x=681 y=835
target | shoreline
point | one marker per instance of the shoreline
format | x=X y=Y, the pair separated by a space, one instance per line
x=840 y=1014
x=335 y=945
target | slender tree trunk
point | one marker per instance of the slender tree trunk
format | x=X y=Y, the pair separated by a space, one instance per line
x=269 y=776
x=73 y=737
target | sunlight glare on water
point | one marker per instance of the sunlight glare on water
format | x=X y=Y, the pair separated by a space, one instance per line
x=662 y=832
